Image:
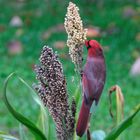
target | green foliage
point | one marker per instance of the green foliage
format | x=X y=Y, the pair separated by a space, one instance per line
x=118 y=40
x=32 y=127
x=43 y=118
x=123 y=125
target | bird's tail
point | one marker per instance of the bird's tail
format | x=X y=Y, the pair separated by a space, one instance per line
x=83 y=119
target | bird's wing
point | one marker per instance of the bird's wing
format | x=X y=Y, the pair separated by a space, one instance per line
x=89 y=87
x=93 y=82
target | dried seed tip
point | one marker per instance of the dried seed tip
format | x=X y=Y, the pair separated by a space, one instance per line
x=76 y=34
x=119 y=98
x=51 y=89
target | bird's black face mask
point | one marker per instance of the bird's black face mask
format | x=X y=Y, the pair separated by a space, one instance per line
x=88 y=45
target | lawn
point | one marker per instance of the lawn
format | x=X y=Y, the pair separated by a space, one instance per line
x=118 y=23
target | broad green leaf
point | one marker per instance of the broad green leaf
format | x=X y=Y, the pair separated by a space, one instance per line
x=123 y=125
x=32 y=127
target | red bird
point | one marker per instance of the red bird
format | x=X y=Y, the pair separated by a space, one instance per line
x=93 y=80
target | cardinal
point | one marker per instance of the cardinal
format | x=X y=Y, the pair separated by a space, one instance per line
x=93 y=80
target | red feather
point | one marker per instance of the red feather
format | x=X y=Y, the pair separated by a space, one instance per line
x=93 y=80
x=83 y=119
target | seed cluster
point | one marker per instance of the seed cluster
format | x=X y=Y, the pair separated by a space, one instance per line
x=76 y=35
x=52 y=90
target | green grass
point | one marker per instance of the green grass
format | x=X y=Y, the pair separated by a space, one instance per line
x=38 y=16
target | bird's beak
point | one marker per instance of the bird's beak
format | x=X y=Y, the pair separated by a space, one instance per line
x=86 y=43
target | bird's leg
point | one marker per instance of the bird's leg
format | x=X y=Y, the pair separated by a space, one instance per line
x=88 y=135
x=88 y=128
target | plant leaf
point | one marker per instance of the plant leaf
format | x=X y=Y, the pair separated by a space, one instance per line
x=123 y=125
x=36 y=132
x=44 y=115
x=22 y=132
x=44 y=119
x=34 y=96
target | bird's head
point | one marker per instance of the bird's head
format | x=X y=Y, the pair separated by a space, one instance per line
x=94 y=48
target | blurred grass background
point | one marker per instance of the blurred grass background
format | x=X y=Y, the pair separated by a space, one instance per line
x=118 y=24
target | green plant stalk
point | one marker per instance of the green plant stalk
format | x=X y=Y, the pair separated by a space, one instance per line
x=77 y=97
x=119 y=108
